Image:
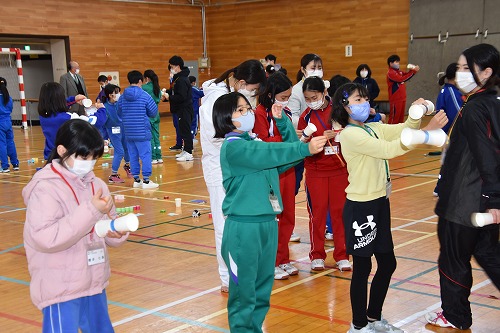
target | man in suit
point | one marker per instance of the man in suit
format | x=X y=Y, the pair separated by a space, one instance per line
x=73 y=85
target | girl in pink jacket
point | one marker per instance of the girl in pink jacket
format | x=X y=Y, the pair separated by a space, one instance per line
x=67 y=261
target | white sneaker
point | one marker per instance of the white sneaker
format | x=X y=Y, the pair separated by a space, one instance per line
x=289 y=268
x=184 y=158
x=138 y=184
x=150 y=184
x=383 y=326
x=180 y=154
x=318 y=265
x=367 y=329
x=160 y=161
x=344 y=265
x=295 y=237
x=154 y=162
x=280 y=274
x=438 y=319
x=328 y=236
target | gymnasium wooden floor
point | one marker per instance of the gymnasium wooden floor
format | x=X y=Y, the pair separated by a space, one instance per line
x=164 y=279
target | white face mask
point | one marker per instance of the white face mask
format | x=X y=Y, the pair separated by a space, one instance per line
x=81 y=167
x=77 y=71
x=316 y=72
x=316 y=105
x=465 y=81
x=363 y=74
x=117 y=96
x=282 y=103
x=249 y=94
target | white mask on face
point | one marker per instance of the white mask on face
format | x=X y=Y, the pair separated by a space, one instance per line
x=249 y=94
x=77 y=71
x=282 y=103
x=363 y=74
x=316 y=105
x=81 y=167
x=465 y=81
x=316 y=72
x=117 y=96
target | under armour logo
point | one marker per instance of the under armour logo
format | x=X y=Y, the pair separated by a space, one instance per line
x=358 y=228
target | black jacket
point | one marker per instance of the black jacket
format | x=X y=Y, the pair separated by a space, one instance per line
x=470 y=175
x=371 y=85
x=180 y=93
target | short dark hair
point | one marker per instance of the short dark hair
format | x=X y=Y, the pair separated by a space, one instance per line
x=271 y=57
x=305 y=60
x=339 y=113
x=79 y=137
x=52 y=99
x=362 y=66
x=222 y=114
x=176 y=61
x=102 y=78
x=335 y=82
x=134 y=77
x=276 y=83
x=192 y=79
x=313 y=83
x=110 y=89
x=393 y=58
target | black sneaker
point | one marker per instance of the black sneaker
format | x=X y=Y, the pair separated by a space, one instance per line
x=16 y=167
x=175 y=148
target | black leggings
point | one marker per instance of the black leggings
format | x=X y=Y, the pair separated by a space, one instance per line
x=361 y=269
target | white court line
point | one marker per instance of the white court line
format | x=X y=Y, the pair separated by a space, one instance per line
x=165 y=306
x=414 y=222
x=421 y=175
x=433 y=307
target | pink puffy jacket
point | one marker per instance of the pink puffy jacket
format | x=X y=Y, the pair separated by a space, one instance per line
x=56 y=236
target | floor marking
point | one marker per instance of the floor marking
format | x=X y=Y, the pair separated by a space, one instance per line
x=11 y=248
x=413 y=223
x=422 y=175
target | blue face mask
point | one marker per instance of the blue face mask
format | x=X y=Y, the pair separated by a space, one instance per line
x=360 y=112
x=247 y=122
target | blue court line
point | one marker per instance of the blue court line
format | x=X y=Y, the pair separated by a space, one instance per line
x=12 y=248
x=432 y=262
x=414 y=276
x=4 y=278
x=175 y=318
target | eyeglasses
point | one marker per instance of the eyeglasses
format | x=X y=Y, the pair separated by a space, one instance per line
x=243 y=110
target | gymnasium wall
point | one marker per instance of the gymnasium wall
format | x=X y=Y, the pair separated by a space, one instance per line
x=141 y=36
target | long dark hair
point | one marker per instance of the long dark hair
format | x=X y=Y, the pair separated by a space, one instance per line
x=79 y=137
x=339 y=101
x=251 y=71
x=484 y=56
x=52 y=99
x=276 y=83
x=450 y=73
x=222 y=114
x=150 y=74
x=306 y=59
x=4 y=91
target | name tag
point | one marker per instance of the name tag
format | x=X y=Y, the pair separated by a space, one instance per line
x=115 y=130
x=331 y=150
x=275 y=203
x=95 y=256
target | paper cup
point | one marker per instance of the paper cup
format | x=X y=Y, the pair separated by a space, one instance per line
x=178 y=202
x=310 y=129
x=481 y=219
x=87 y=102
x=129 y=222
x=410 y=137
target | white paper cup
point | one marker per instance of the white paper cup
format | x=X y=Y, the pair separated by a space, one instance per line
x=411 y=137
x=87 y=102
x=129 y=222
x=481 y=219
x=417 y=111
x=178 y=202
x=310 y=129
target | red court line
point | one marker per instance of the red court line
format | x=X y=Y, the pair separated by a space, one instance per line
x=20 y=319
x=173 y=241
x=309 y=314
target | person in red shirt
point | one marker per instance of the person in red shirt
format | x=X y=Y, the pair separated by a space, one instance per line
x=326 y=178
x=397 y=90
x=277 y=91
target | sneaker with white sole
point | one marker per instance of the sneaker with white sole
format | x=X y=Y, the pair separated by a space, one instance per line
x=318 y=265
x=438 y=319
x=383 y=326
x=289 y=268
x=154 y=162
x=126 y=167
x=184 y=158
x=328 y=236
x=344 y=265
x=160 y=161
x=15 y=167
x=280 y=274
x=148 y=184
x=180 y=154
x=137 y=183
x=115 y=179
x=6 y=170
x=367 y=329
x=294 y=237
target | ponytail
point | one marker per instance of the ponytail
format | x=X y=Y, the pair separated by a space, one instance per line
x=4 y=91
x=150 y=74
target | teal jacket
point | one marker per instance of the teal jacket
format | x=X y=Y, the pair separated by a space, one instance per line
x=251 y=168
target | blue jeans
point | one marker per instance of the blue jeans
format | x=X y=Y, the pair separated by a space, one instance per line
x=89 y=313
x=116 y=141
x=140 y=150
x=7 y=145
